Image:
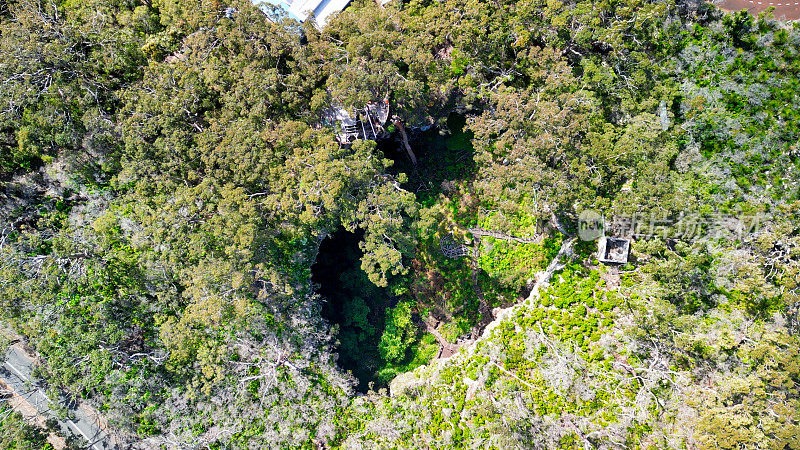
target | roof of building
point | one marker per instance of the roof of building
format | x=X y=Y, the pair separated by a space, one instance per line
x=300 y=10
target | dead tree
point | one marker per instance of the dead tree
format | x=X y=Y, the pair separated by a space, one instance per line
x=402 y=129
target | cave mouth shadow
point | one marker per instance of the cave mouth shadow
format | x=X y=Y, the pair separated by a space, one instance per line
x=352 y=305
x=444 y=155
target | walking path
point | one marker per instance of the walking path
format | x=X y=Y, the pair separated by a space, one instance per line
x=446 y=348
x=506 y=237
x=16 y=374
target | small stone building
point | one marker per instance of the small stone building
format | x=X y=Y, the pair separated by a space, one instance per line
x=613 y=250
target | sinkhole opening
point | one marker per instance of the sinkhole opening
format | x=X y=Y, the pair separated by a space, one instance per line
x=353 y=306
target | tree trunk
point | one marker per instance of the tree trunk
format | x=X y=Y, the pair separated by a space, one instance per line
x=400 y=127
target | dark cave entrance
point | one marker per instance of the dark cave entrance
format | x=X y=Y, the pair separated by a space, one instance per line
x=444 y=155
x=352 y=304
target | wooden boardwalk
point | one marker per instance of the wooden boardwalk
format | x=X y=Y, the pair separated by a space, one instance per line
x=480 y=232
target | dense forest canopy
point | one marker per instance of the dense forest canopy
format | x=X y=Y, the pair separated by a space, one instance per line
x=188 y=250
